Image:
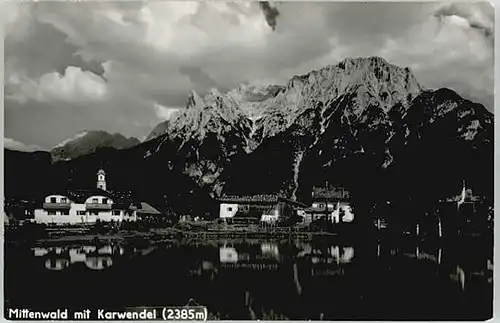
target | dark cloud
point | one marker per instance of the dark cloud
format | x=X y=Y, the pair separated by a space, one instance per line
x=46 y=124
x=44 y=49
x=198 y=77
x=271 y=13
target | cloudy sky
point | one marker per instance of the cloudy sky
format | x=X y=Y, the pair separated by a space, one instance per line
x=124 y=67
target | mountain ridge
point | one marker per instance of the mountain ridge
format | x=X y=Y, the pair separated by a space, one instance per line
x=276 y=111
x=88 y=141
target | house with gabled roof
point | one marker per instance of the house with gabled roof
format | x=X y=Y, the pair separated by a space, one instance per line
x=87 y=205
x=262 y=207
x=332 y=203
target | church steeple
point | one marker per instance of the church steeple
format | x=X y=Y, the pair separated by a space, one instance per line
x=101 y=179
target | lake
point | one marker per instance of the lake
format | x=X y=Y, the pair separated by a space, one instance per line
x=325 y=279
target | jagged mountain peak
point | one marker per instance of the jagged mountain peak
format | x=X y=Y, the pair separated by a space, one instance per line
x=68 y=140
x=270 y=109
x=194 y=101
x=373 y=73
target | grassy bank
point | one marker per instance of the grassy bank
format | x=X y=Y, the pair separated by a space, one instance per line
x=201 y=231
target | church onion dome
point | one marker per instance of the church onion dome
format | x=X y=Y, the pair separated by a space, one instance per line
x=101 y=171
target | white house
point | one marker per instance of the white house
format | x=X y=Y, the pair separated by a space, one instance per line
x=228 y=210
x=86 y=206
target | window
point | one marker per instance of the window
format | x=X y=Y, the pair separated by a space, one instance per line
x=80 y=212
x=95 y=200
x=104 y=201
x=53 y=200
x=321 y=205
x=51 y=212
x=229 y=209
x=64 y=200
x=94 y=213
x=65 y=212
x=116 y=212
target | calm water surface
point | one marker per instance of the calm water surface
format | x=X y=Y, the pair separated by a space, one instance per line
x=260 y=280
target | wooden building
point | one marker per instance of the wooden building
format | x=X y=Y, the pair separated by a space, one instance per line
x=332 y=203
x=255 y=208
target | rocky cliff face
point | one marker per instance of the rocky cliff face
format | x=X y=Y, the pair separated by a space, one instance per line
x=242 y=120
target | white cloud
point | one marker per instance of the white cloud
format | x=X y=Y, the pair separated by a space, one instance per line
x=12 y=144
x=457 y=55
x=74 y=86
x=159 y=51
x=164 y=113
x=15 y=19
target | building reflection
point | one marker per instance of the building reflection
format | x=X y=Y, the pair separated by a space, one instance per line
x=270 y=257
x=228 y=255
x=93 y=257
x=270 y=250
x=56 y=263
x=98 y=262
x=333 y=254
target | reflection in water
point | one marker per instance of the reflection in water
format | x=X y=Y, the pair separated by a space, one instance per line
x=426 y=256
x=99 y=262
x=458 y=275
x=270 y=250
x=93 y=257
x=228 y=255
x=56 y=264
x=342 y=255
x=296 y=279
x=207 y=265
x=421 y=254
x=269 y=279
x=332 y=254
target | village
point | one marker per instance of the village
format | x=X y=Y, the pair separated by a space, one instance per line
x=104 y=205
x=104 y=210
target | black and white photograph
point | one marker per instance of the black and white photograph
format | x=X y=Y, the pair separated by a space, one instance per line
x=249 y=160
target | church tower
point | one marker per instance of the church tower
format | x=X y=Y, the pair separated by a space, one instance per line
x=101 y=180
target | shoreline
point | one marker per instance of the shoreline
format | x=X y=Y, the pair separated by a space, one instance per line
x=65 y=236
x=169 y=234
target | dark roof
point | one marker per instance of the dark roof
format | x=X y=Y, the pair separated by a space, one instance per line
x=82 y=194
x=318 y=209
x=147 y=209
x=258 y=199
x=121 y=199
x=335 y=193
x=261 y=198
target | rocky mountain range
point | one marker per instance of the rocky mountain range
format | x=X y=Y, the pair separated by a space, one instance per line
x=364 y=123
